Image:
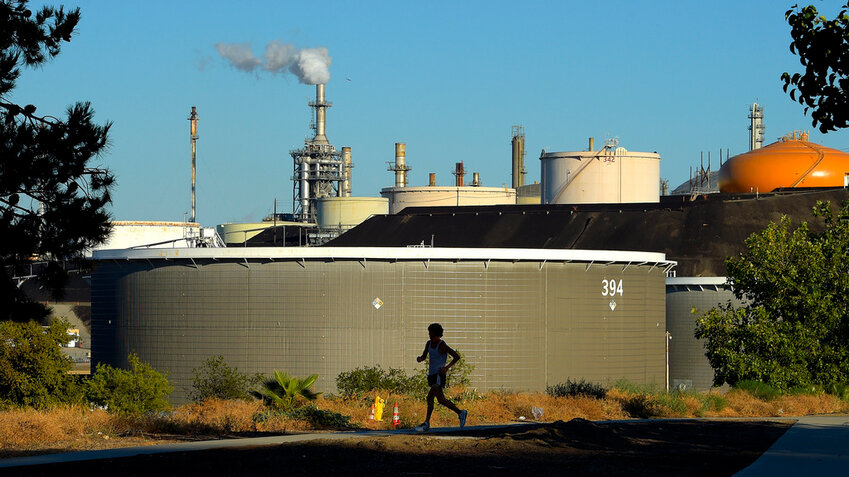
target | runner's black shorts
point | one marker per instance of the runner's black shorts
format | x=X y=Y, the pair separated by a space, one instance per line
x=438 y=379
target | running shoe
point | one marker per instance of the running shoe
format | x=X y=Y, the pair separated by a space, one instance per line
x=462 y=417
x=424 y=427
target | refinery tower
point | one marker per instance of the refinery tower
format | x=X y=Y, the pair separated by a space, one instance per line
x=319 y=169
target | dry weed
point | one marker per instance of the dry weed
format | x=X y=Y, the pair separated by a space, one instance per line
x=747 y=405
x=803 y=405
x=217 y=416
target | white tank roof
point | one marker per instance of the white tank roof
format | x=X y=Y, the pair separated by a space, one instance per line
x=627 y=258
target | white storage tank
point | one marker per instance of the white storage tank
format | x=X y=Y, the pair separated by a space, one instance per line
x=152 y=234
x=435 y=196
x=609 y=176
x=348 y=212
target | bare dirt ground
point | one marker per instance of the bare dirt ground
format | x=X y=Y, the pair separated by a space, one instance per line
x=577 y=447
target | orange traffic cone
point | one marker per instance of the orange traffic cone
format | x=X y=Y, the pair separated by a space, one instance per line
x=371 y=414
x=396 y=421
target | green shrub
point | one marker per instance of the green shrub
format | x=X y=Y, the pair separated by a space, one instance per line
x=643 y=406
x=711 y=402
x=138 y=390
x=672 y=403
x=758 y=389
x=283 y=391
x=33 y=369
x=354 y=383
x=320 y=418
x=633 y=388
x=577 y=388
x=839 y=390
x=807 y=390
x=216 y=379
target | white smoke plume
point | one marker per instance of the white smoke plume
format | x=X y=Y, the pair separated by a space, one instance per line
x=310 y=65
x=239 y=55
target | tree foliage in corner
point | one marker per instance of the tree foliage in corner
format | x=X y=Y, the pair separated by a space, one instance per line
x=52 y=201
x=823 y=49
x=33 y=369
x=794 y=330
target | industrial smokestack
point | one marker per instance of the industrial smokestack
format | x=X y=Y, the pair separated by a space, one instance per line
x=592 y=145
x=459 y=173
x=518 y=156
x=193 y=134
x=432 y=181
x=476 y=179
x=400 y=164
x=320 y=106
x=346 y=166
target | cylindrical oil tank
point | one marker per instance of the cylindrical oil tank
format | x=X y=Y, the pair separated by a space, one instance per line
x=523 y=318
x=137 y=233
x=610 y=175
x=436 y=196
x=688 y=366
x=348 y=212
x=793 y=161
x=241 y=232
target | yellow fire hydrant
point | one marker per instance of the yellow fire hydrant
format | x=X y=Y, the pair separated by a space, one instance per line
x=378 y=408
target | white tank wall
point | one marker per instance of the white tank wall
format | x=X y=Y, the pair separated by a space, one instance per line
x=348 y=212
x=401 y=197
x=128 y=234
x=595 y=177
x=240 y=232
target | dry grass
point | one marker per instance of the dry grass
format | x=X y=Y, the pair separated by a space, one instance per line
x=27 y=431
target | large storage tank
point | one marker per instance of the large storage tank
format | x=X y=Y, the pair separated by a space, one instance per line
x=347 y=212
x=149 y=233
x=610 y=175
x=235 y=233
x=401 y=197
x=524 y=318
x=792 y=161
x=688 y=366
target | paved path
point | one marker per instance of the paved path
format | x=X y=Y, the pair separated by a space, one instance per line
x=215 y=444
x=815 y=445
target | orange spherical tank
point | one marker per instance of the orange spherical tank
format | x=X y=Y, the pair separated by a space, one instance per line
x=793 y=161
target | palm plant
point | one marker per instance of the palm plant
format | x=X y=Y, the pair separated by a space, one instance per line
x=283 y=390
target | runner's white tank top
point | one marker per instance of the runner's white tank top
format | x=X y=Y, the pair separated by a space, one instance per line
x=437 y=359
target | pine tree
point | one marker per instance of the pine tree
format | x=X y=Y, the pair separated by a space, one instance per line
x=52 y=199
x=823 y=50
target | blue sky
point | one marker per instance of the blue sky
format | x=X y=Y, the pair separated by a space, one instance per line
x=447 y=78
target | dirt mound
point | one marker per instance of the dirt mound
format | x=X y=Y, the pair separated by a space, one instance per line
x=577 y=433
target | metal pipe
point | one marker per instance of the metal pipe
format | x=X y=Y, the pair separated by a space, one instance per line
x=400 y=164
x=476 y=179
x=347 y=165
x=432 y=179
x=592 y=145
x=518 y=144
x=305 y=191
x=320 y=118
x=459 y=173
x=193 y=131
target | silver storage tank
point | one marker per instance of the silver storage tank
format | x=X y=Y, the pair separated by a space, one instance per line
x=688 y=366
